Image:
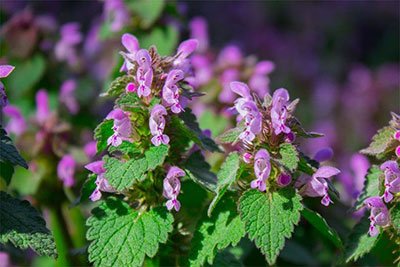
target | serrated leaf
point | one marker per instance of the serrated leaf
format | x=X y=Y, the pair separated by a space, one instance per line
x=155 y=156
x=289 y=156
x=125 y=148
x=129 y=102
x=371 y=186
x=226 y=177
x=360 y=242
x=6 y=171
x=117 y=86
x=395 y=217
x=120 y=236
x=102 y=132
x=148 y=10
x=199 y=171
x=200 y=138
x=231 y=135
x=8 y=152
x=121 y=175
x=322 y=226
x=270 y=218
x=23 y=226
x=224 y=228
x=380 y=142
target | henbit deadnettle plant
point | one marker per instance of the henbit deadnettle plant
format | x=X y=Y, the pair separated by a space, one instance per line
x=380 y=194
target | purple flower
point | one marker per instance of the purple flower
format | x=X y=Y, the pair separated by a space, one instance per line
x=262 y=169
x=130 y=88
x=284 y=179
x=230 y=56
x=199 y=31
x=131 y=44
x=202 y=70
x=227 y=77
x=65 y=49
x=259 y=80
x=185 y=49
x=5 y=70
x=117 y=13
x=90 y=149
x=172 y=187
x=247 y=157
x=42 y=106
x=157 y=125
x=324 y=154
x=144 y=74
x=122 y=127
x=397 y=137
x=16 y=124
x=317 y=185
x=279 y=112
x=67 y=96
x=66 y=170
x=392 y=179
x=102 y=184
x=170 y=91
x=379 y=214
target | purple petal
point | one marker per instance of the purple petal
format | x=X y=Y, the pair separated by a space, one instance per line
x=241 y=89
x=130 y=42
x=5 y=70
x=326 y=172
x=187 y=47
x=324 y=154
x=96 y=167
x=42 y=105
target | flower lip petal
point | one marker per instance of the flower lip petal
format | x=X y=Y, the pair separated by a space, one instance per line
x=187 y=47
x=96 y=167
x=130 y=42
x=5 y=70
x=241 y=89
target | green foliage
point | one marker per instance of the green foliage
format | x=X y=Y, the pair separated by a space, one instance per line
x=395 y=217
x=126 y=148
x=121 y=175
x=371 y=186
x=289 y=156
x=270 y=218
x=307 y=165
x=121 y=236
x=155 y=156
x=87 y=189
x=6 y=171
x=322 y=226
x=117 y=86
x=224 y=228
x=226 y=177
x=214 y=122
x=166 y=39
x=148 y=11
x=197 y=135
x=381 y=141
x=199 y=171
x=23 y=226
x=129 y=102
x=102 y=132
x=8 y=152
x=231 y=135
x=26 y=74
x=359 y=242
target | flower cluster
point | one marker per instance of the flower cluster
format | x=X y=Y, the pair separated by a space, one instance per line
x=122 y=127
x=172 y=187
x=266 y=126
x=102 y=184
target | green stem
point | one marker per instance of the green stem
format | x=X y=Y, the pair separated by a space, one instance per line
x=59 y=236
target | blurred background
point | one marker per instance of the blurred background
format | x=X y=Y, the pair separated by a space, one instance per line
x=341 y=58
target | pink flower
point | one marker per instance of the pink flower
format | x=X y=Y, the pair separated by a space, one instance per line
x=317 y=185
x=65 y=49
x=284 y=179
x=42 y=106
x=170 y=92
x=379 y=214
x=16 y=124
x=117 y=13
x=324 y=154
x=262 y=169
x=66 y=170
x=157 y=125
x=67 y=96
x=259 y=80
x=247 y=157
x=131 y=44
x=172 y=187
x=5 y=70
x=279 y=112
x=144 y=74
x=102 y=184
x=392 y=179
x=199 y=31
x=185 y=49
x=122 y=127
x=90 y=149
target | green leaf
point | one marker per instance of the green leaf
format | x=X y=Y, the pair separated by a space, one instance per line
x=102 y=132
x=23 y=226
x=360 y=242
x=199 y=171
x=165 y=39
x=270 y=218
x=126 y=148
x=87 y=189
x=230 y=136
x=381 y=141
x=6 y=171
x=117 y=86
x=395 y=217
x=226 y=177
x=289 y=156
x=224 y=228
x=26 y=75
x=8 y=152
x=148 y=10
x=155 y=156
x=214 y=122
x=120 y=236
x=322 y=226
x=129 y=102
x=121 y=175
x=371 y=186
x=199 y=137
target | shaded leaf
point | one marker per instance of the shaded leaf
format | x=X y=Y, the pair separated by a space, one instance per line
x=102 y=132
x=381 y=141
x=371 y=186
x=199 y=171
x=231 y=136
x=155 y=156
x=8 y=152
